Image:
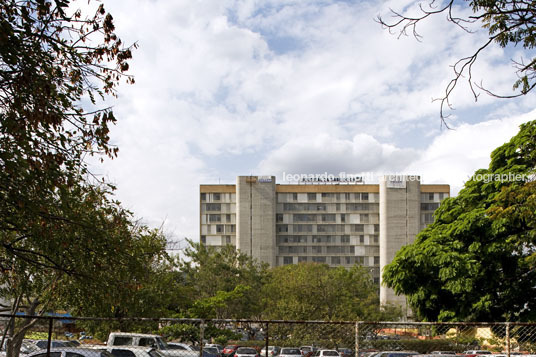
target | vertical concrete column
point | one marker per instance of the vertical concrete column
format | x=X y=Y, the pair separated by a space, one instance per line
x=399 y=224
x=256 y=217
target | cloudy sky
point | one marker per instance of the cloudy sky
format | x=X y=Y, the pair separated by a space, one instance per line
x=226 y=88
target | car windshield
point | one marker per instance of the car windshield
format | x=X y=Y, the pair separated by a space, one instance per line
x=161 y=344
x=290 y=351
x=246 y=351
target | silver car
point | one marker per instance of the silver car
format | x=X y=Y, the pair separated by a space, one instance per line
x=71 y=352
x=246 y=352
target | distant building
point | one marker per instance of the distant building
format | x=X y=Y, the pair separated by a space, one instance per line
x=337 y=223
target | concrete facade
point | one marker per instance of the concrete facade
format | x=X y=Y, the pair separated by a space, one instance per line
x=400 y=203
x=331 y=223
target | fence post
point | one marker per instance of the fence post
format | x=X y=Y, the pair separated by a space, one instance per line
x=201 y=337
x=267 y=340
x=357 y=339
x=508 y=339
x=457 y=336
x=49 y=342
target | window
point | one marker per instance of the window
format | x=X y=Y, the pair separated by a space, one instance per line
x=333 y=249
x=294 y=196
x=203 y=197
x=122 y=341
x=214 y=218
x=364 y=196
x=301 y=228
x=441 y=196
x=376 y=228
x=311 y=197
x=302 y=259
x=216 y=197
x=287 y=260
x=357 y=228
x=364 y=217
x=219 y=228
x=376 y=280
x=347 y=196
x=360 y=260
x=233 y=228
x=343 y=218
x=279 y=217
x=429 y=206
x=147 y=342
x=213 y=206
x=376 y=260
x=228 y=218
x=328 y=218
x=375 y=239
x=203 y=240
x=304 y=218
x=345 y=239
x=227 y=239
x=282 y=228
x=362 y=239
x=319 y=259
x=428 y=218
x=430 y=197
x=335 y=260
x=317 y=249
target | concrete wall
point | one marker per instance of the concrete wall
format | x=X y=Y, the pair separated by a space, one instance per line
x=400 y=199
x=255 y=217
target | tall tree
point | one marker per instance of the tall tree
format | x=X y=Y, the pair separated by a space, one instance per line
x=63 y=241
x=477 y=260
x=311 y=291
x=507 y=22
x=224 y=283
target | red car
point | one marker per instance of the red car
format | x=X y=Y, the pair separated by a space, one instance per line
x=230 y=350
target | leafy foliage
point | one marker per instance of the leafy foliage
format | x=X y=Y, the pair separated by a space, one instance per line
x=476 y=261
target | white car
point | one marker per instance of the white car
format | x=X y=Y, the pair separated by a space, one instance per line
x=290 y=352
x=326 y=353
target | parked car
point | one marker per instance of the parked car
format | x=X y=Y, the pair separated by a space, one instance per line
x=180 y=346
x=43 y=344
x=395 y=354
x=326 y=353
x=213 y=350
x=477 y=352
x=219 y=347
x=126 y=351
x=246 y=352
x=73 y=352
x=442 y=353
x=290 y=352
x=346 y=352
x=272 y=351
x=307 y=351
x=229 y=350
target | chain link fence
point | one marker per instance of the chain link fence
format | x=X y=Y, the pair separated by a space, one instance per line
x=65 y=336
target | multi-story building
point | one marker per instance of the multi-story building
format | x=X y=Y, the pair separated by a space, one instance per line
x=336 y=223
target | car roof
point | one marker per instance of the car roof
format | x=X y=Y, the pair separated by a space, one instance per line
x=134 y=334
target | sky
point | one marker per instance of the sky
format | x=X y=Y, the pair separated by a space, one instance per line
x=266 y=87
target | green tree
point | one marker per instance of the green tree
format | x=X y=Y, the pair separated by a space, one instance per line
x=52 y=60
x=223 y=283
x=477 y=260
x=311 y=291
x=64 y=242
x=507 y=22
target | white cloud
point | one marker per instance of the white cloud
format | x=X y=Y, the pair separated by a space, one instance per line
x=325 y=153
x=455 y=155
